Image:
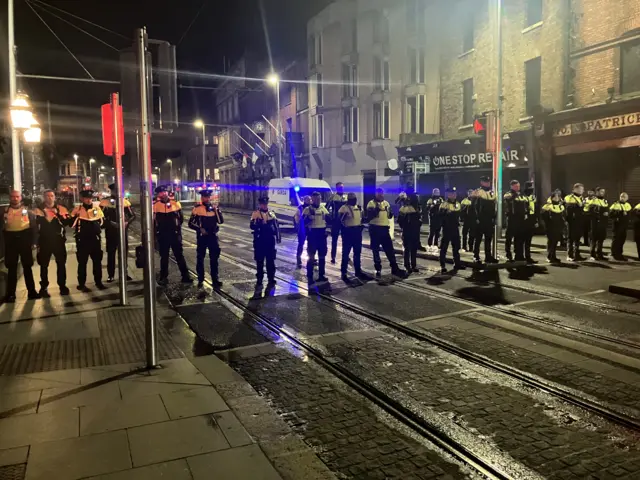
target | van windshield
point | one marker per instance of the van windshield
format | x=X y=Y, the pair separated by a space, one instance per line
x=326 y=193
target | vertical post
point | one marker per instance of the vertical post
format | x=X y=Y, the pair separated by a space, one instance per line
x=279 y=125
x=204 y=156
x=15 y=137
x=415 y=177
x=122 y=232
x=497 y=157
x=33 y=171
x=146 y=205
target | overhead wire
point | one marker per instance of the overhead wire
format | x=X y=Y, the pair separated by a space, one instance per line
x=82 y=19
x=74 y=25
x=59 y=39
x=192 y=22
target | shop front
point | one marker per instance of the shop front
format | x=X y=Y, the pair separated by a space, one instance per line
x=461 y=163
x=598 y=146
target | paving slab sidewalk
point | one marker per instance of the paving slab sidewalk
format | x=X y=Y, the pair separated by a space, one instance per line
x=76 y=401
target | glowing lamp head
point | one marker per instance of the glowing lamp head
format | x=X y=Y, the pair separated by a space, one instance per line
x=296 y=188
x=198 y=124
x=273 y=79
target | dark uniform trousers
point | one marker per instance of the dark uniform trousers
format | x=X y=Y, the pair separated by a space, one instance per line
x=52 y=247
x=484 y=230
x=598 y=234
x=435 y=225
x=636 y=236
x=207 y=242
x=619 y=237
x=302 y=237
x=453 y=238
x=467 y=233
x=171 y=242
x=316 y=242
x=264 y=251
x=515 y=235
x=411 y=242
x=336 y=229
x=380 y=237
x=351 y=240
x=86 y=249
x=554 y=236
x=576 y=230
x=112 y=248
x=18 y=248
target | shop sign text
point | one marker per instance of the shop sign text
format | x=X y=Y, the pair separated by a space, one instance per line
x=609 y=123
x=468 y=160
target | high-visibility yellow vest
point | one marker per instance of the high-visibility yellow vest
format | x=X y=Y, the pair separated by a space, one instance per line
x=382 y=219
x=50 y=214
x=553 y=208
x=351 y=215
x=16 y=219
x=318 y=217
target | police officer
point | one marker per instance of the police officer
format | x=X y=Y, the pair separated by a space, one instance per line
x=315 y=218
x=575 y=215
x=468 y=222
x=88 y=221
x=379 y=215
x=168 y=219
x=351 y=218
x=619 y=213
x=516 y=208
x=531 y=222
x=484 y=211
x=334 y=205
x=450 y=214
x=302 y=229
x=410 y=222
x=108 y=206
x=598 y=212
x=435 y=221
x=636 y=227
x=20 y=238
x=205 y=220
x=266 y=234
x=52 y=220
x=587 y=224
x=554 y=214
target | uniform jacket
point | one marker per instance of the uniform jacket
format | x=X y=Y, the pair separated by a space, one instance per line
x=334 y=205
x=597 y=210
x=52 y=222
x=484 y=205
x=409 y=219
x=574 y=205
x=108 y=206
x=315 y=217
x=620 y=213
x=450 y=212
x=18 y=220
x=351 y=216
x=554 y=216
x=87 y=223
x=167 y=217
x=433 y=207
x=516 y=208
x=379 y=213
x=207 y=217
x=466 y=212
x=264 y=226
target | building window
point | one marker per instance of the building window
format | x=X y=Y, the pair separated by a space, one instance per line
x=349 y=81
x=415 y=114
x=630 y=68
x=381 y=120
x=533 y=74
x=381 y=29
x=467 y=102
x=534 y=12
x=315 y=50
x=468 y=33
x=354 y=35
x=317 y=124
x=416 y=65
x=319 y=89
x=236 y=106
x=381 y=74
x=302 y=97
x=350 y=125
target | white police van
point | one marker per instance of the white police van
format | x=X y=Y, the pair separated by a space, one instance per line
x=285 y=194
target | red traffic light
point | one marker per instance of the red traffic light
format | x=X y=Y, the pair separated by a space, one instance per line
x=479 y=126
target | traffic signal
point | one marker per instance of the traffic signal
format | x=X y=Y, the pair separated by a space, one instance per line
x=480 y=126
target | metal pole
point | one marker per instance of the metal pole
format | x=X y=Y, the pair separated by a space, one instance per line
x=15 y=137
x=204 y=155
x=415 y=177
x=122 y=232
x=497 y=158
x=33 y=170
x=75 y=158
x=146 y=206
x=279 y=126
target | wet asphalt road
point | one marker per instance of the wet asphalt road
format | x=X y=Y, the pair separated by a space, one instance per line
x=528 y=434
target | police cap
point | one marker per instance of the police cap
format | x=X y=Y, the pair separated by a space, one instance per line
x=264 y=200
x=161 y=189
x=205 y=193
x=86 y=194
x=451 y=190
x=485 y=178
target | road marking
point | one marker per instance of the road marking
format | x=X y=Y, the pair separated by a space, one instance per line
x=541 y=300
x=595 y=292
x=444 y=315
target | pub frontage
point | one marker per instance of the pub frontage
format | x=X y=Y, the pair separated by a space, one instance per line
x=461 y=163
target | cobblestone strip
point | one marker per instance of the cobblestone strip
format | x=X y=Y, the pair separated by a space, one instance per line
x=551 y=438
x=604 y=388
x=346 y=432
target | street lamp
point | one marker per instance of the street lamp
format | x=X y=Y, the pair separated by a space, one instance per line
x=91 y=162
x=170 y=162
x=32 y=137
x=77 y=188
x=274 y=80
x=21 y=119
x=200 y=124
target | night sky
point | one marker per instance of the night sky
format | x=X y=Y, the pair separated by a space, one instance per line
x=223 y=29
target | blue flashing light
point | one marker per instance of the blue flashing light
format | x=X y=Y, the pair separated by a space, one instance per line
x=296 y=188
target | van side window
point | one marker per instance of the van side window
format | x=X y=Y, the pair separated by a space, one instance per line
x=293 y=198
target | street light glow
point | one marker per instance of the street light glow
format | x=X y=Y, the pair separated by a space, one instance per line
x=32 y=135
x=75 y=157
x=21 y=114
x=169 y=160
x=92 y=160
x=273 y=79
x=198 y=123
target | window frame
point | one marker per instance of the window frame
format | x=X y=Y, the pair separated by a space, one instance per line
x=420 y=117
x=468 y=33
x=381 y=121
x=318 y=130
x=350 y=125
x=467 y=101
x=528 y=105
x=629 y=46
x=535 y=7
x=319 y=90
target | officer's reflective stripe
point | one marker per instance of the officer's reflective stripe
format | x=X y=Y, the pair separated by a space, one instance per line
x=318 y=218
x=623 y=207
x=549 y=207
x=169 y=207
x=16 y=219
x=352 y=215
x=50 y=214
x=574 y=200
x=484 y=194
x=596 y=202
x=202 y=211
x=382 y=220
x=450 y=207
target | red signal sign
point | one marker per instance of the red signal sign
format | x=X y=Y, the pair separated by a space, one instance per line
x=479 y=126
x=107 y=130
